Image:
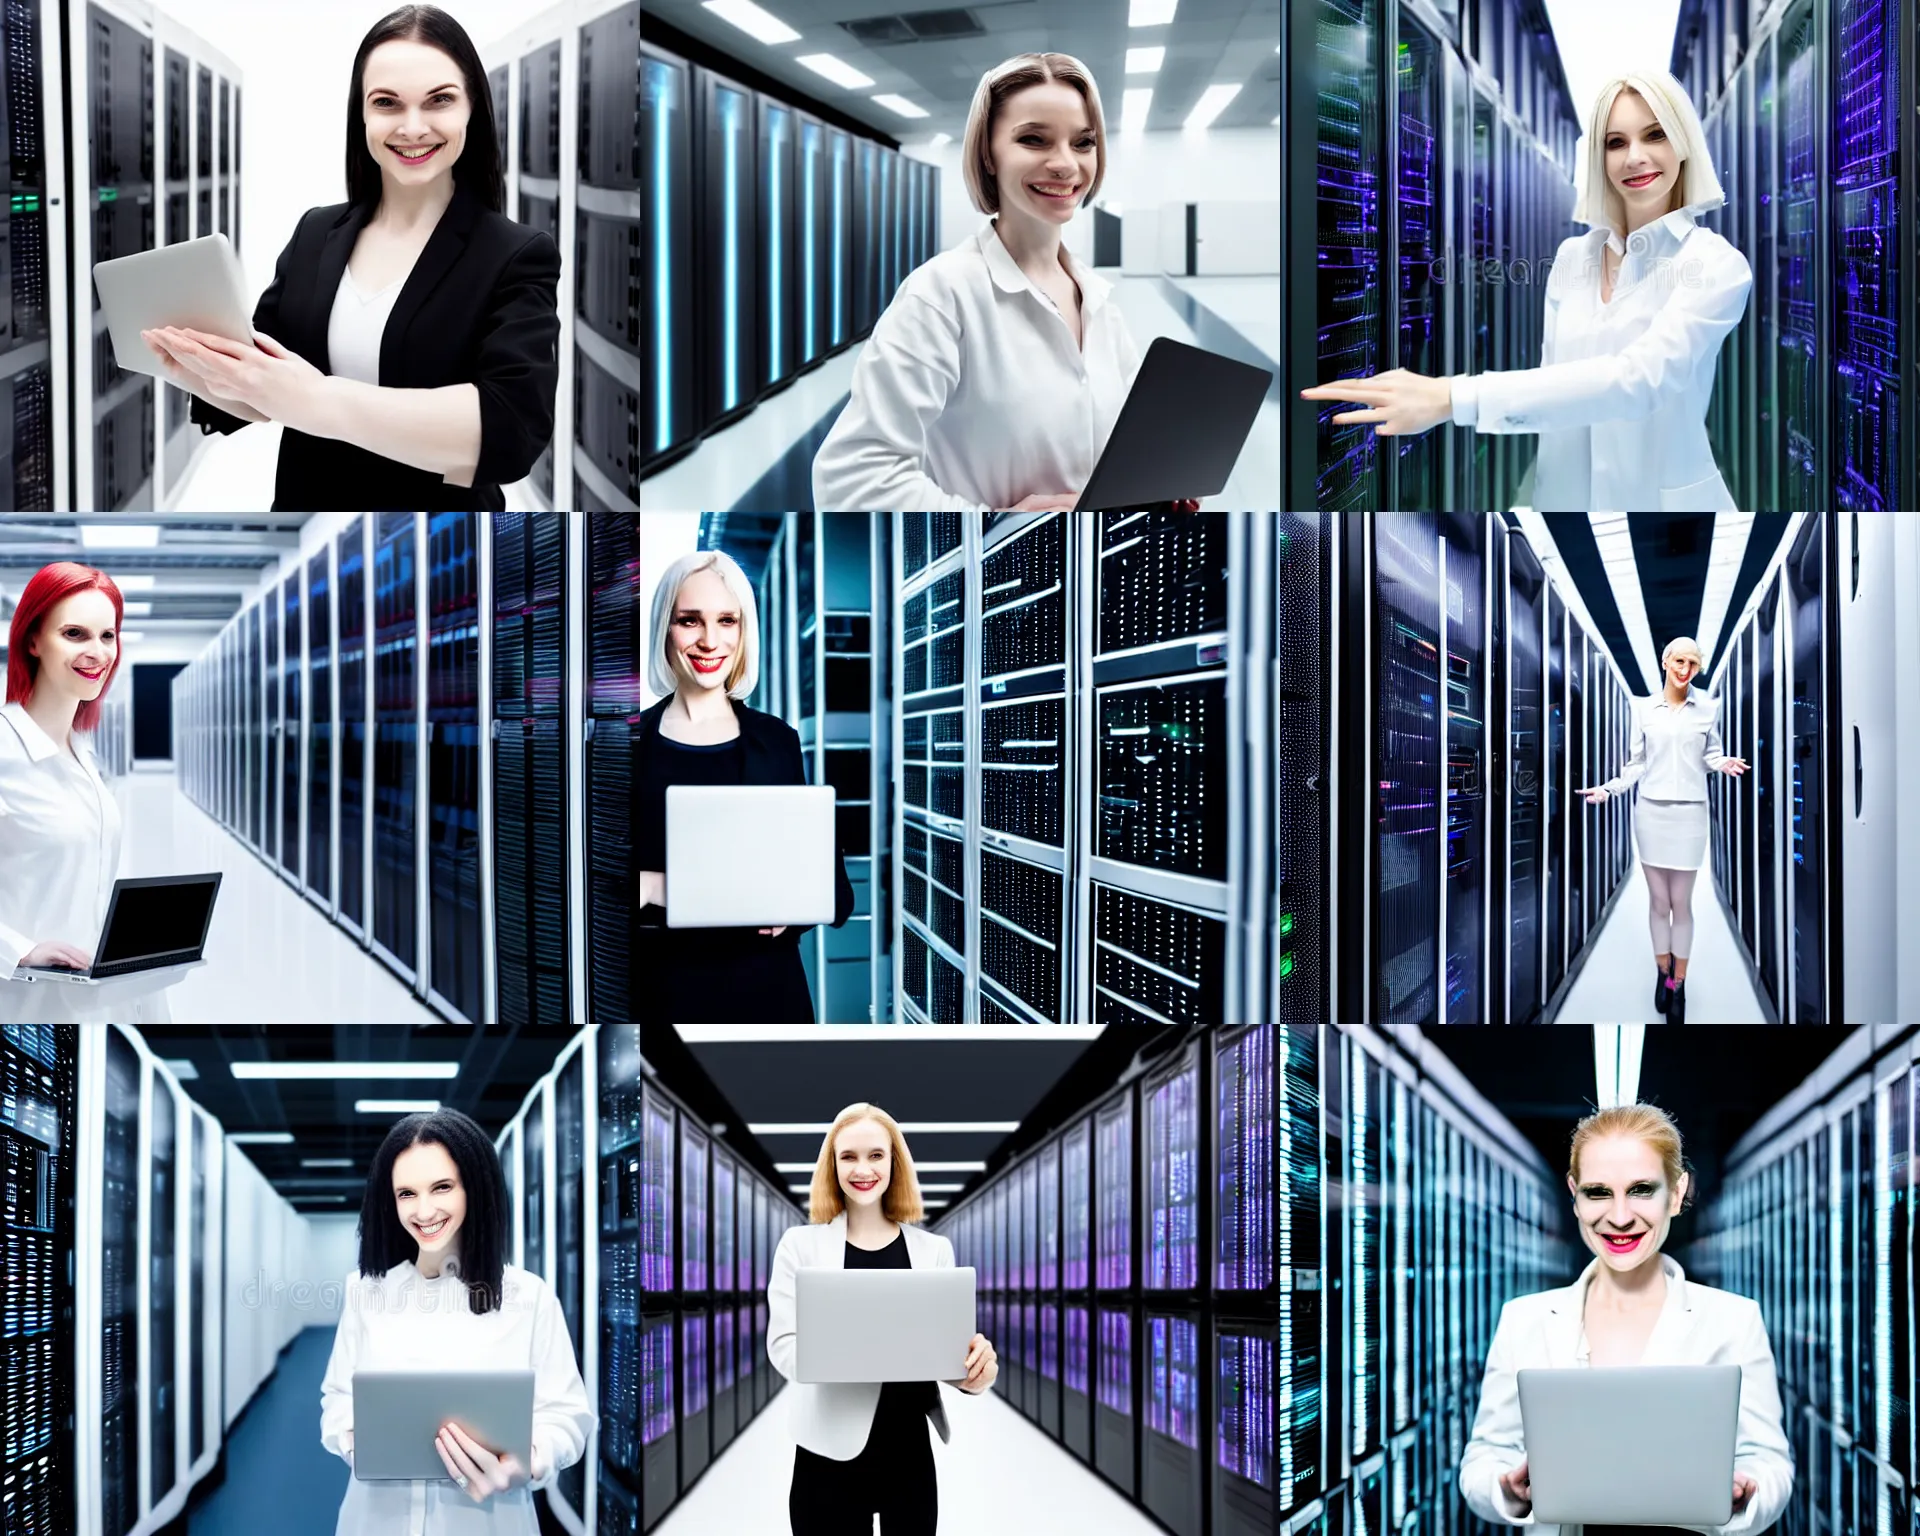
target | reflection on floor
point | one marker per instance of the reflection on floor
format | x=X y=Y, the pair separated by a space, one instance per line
x=277 y=1474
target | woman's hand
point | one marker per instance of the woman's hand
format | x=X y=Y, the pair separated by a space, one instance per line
x=983 y=1365
x=1594 y=796
x=1402 y=404
x=653 y=888
x=466 y=1458
x=1743 y=1490
x=55 y=953
x=281 y=385
x=183 y=377
x=1733 y=767
x=1518 y=1487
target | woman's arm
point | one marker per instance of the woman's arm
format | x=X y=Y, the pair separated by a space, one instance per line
x=1761 y=1449
x=431 y=429
x=781 y=1344
x=1636 y=765
x=1496 y=1445
x=1716 y=753
x=336 y=1388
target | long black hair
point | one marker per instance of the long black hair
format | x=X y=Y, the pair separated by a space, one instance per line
x=384 y=1242
x=478 y=169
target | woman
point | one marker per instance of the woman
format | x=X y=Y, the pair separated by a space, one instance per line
x=1676 y=739
x=60 y=826
x=1636 y=310
x=408 y=340
x=993 y=378
x=862 y=1447
x=1632 y=1305
x=434 y=1291
x=706 y=655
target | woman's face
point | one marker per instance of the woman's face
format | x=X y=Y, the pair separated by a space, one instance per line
x=1043 y=138
x=429 y=1196
x=1642 y=163
x=703 y=636
x=1624 y=1190
x=77 y=645
x=863 y=1162
x=412 y=96
x=1681 y=668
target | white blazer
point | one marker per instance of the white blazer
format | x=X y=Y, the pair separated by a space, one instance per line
x=1620 y=396
x=1698 y=1325
x=1672 y=749
x=970 y=394
x=833 y=1419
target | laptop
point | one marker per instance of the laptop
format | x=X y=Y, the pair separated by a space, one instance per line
x=1674 y=1425
x=882 y=1324
x=152 y=922
x=195 y=284
x=1181 y=430
x=396 y=1415
x=749 y=855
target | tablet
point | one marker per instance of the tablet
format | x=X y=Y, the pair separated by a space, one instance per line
x=396 y=1415
x=749 y=856
x=196 y=284
x=882 y=1324
x=1674 y=1425
x=1181 y=430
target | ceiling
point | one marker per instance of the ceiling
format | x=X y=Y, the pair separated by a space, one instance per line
x=1037 y=1077
x=204 y=568
x=934 y=54
x=497 y=1065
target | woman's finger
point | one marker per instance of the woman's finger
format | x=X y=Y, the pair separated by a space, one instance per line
x=221 y=344
x=478 y=1483
x=1349 y=418
x=454 y=1472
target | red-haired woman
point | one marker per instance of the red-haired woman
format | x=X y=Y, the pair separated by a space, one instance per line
x=59 y=825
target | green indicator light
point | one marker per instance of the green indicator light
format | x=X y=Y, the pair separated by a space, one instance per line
x=109 y=194
x=1286 y=923
x=1286 y=966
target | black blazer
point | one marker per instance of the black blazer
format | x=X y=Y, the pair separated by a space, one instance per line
x=772 y=754
x=478 y=308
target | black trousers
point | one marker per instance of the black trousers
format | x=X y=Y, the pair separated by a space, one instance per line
x=892 y=1476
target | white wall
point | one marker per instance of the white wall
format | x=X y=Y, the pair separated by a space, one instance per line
x=333 y=1251
x=269 y=1290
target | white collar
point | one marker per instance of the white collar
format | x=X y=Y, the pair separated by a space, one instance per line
x=1006 y=273
x=1676 y=225
x=1661 y=701
x=450 y=1265
x=40 y=745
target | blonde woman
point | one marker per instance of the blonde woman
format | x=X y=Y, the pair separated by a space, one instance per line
x=705 y=658
x=1636 y=310
x=861 y=1448
x=993 y=378
x=1631 y=1306
x=1676 y=742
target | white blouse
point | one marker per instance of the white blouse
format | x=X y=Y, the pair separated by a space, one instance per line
x=355 y=327
x=1672 y=749
x=401 y=1321
x=970 y=394
x=1620 y=396
x=59 y=857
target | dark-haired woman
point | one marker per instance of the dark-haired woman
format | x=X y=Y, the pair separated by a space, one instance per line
x=434 y=1291
x=408 y=341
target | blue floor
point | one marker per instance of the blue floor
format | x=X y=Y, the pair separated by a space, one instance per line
x=274 y=1461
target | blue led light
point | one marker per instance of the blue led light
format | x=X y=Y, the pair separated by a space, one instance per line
x=809 y=148
x=662 y=267
x=839 y=203
x=730 y=245
x=773 y=282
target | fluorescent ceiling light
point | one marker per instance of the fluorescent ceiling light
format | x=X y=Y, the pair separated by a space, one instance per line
x=836 y=70
x=1213 y=101
x=1145 y=61
x=184 y=1070
x=264 y=1138
x=322 y=1199
x=134 y=583
x=312 y=1069
x=918 y=1166
x=326 y=1162
x=137 y=610
x=128 y=636
x=395 y=1106
x=939 y=1189
x=1613 y=540
x=941 y=138
x=763 y=26
x=867 y=1034
x=901 y=105
x=1534 y=526
x=333 y=1181
x=933 y=1204
x=119 y=535
x=1150 y=13
x=917 y=1128
x=1134 y=103
x=1732 y=532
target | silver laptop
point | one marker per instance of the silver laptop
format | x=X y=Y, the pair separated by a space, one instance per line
x=396 y=1415
x=1673 y=1424
x=749 y=856
x=196 y=284
x=882 y=1324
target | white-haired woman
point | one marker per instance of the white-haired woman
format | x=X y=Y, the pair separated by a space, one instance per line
x=705 y=657
x=1636 y=310
x=1676 y=740
x=861 y=1448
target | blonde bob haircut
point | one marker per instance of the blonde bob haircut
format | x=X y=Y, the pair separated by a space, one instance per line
x=1697 y=190
x=1000 y=82
x=1639 y=1122
x=1687 y=645
x=744 y=675
x=901 y=1202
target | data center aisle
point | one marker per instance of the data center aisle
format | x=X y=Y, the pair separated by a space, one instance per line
x=275 y=1465
x=273 y=956
x=1000 y=1473
x=1616 y=985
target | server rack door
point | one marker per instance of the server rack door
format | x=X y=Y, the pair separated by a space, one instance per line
x=203 y=1146
x=1422 y=167
x=813 y=266
x=1800 y=371
x=612 y=621
x=1303 y=918
x=667 y=345
x=534 y=1213
x=456 y=941
x=258 y=733
x=1744 y=729
x=1765 y=199
x=1487 y=299
x=1766 y=797
x=776 y=127
x=1806 y=781
x=726 y=245
x=1495 y=733
x=293 y=743
x=273 y=621
x=353 y=724
x=571 y=1106
x=838 y=255
x=1527 y=769
x=161 y=1298
x=121 y=1395
x=396 y=737
x=1576 y=807
x=1556 y=769
x=320 y=732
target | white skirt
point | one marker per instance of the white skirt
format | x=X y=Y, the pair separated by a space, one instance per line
x=1671 y=834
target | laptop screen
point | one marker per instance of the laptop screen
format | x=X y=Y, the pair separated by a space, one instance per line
x=157 y=920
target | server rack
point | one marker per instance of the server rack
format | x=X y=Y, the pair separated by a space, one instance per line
x=355 y=849
x=610 y=770
x=318 y=799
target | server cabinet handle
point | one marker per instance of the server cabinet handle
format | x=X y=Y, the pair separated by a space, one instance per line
x=1856 y=773
x=1856 y=555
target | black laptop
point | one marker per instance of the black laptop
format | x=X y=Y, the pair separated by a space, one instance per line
x=1181 y=430
x=153 y=922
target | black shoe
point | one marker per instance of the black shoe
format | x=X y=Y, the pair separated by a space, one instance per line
x=1677 y=1005
x=1660 y=993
